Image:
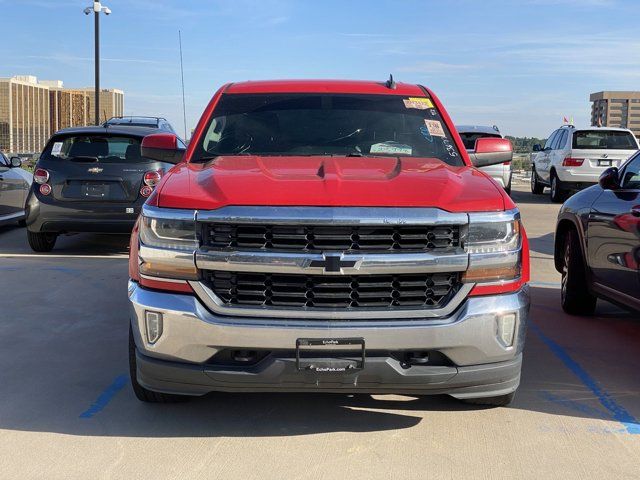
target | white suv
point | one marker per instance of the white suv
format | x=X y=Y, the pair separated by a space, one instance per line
x=573 y=158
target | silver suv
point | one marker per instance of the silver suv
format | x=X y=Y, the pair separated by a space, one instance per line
x=501 y=172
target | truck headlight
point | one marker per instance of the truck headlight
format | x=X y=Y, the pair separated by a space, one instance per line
x=492 y=237
x=168 y=233
x=166 y=248
x=494 y=243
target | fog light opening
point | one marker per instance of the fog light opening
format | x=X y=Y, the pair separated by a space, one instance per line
x=153 y=324
x=506 y=328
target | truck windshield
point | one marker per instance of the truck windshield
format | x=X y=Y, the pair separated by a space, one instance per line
x=327 y=124
x=94 y=148
x=604 y=139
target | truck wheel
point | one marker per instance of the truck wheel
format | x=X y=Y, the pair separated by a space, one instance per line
x=499 y=401
x=143 y=394
x=558 y=194
x=574 y=292
x=536 y=187
x=41 y=242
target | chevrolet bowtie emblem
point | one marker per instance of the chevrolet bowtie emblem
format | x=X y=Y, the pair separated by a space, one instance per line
x=95 y=170
x=332 y=263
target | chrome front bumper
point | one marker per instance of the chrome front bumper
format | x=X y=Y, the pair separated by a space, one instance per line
x=192 y=335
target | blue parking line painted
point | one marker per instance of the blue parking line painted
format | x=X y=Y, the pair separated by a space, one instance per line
x=617 y=411
x=105 y=397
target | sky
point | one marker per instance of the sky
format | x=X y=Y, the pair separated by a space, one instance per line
x=522 y=65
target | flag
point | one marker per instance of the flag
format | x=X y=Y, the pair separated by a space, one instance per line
x=564 y=120
x=571 y=121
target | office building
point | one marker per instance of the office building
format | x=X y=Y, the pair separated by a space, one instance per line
x=616 y=109
x=31 y=110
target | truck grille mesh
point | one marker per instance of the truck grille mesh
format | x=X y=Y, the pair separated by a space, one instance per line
x=327 y=291
x=319 y=238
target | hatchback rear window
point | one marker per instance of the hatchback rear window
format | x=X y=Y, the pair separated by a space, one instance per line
x=604 y=139
x=327 y=124
x=94 y=148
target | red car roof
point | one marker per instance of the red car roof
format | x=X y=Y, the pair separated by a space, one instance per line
x=324 y=86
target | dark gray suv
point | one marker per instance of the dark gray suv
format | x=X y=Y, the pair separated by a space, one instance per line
x=597 y=245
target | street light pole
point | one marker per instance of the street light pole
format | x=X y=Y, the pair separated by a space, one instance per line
x=96 y=16
x=97 y=8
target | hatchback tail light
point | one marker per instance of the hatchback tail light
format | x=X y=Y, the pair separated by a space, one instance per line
x=572 y=162
x=152 y=177
x=146 y=190
x=41 y=176
x=45 y=189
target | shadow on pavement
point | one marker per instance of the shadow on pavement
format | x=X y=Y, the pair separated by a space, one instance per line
x=63 y=365
x=13 y=241
x=543 y=244
x=520 y=196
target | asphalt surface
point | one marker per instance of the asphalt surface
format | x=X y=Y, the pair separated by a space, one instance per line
x=67 y=410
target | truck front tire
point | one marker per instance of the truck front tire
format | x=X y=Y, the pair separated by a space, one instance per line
x=143 y=394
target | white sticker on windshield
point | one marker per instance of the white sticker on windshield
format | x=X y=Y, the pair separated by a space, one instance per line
x=56 y=149
x=435 y=128
x=392 y=148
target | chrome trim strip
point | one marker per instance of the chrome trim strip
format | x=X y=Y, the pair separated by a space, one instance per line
x=340 y=216
x=213 y=302
x=162 y=279
x=497 y=259
x=177 y=258
x=168 y=213
x=300 y=263
x=494 y=217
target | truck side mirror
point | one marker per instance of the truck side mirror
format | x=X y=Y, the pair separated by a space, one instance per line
x=491 y=151
x=16 y=162
x=609 y=179
x=163 y=147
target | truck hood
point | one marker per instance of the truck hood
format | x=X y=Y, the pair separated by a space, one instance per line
x=328 y=181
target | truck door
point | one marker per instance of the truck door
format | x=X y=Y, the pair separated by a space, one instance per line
x=544 y=157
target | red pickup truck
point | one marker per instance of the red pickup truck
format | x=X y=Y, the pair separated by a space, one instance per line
x=327 y=236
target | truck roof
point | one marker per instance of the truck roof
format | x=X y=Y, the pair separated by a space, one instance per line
x=324 y=86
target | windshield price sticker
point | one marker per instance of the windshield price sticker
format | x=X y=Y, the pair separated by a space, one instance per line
x=392 y=148
x=56 y=149
x=418 y=103
x=435 y=128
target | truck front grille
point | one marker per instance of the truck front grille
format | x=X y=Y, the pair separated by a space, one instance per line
x=395 y=238
x=424 y=291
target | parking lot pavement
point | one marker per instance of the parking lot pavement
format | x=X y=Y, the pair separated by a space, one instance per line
x=67 y=411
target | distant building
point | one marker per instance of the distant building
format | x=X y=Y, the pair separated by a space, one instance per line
x=111 y=102
x=616 y=109
x=31 y=110
x=24 y=114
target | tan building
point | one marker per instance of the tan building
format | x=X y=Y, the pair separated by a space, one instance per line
x=24 y=114
x=111 y=102
x=31 y=110
x=616 y=109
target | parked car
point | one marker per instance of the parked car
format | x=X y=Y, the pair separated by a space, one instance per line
x=328 y=236
x=501 y=172
x=138 y=121
x=573 y=158
x=93 y=179
x=597 y=244
x=14 y=186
